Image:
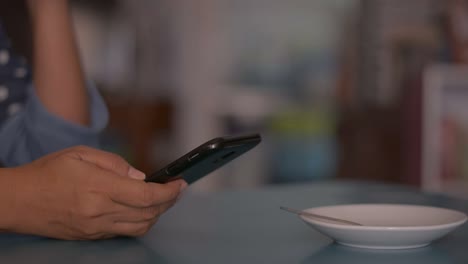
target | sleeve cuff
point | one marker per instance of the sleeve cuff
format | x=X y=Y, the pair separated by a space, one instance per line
x=65 y=132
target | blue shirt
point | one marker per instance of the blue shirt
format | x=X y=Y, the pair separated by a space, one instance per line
x=27 y=130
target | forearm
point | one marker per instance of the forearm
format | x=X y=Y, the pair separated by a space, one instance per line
x=58 y=76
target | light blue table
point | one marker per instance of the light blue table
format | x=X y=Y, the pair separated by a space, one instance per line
x=246 y=226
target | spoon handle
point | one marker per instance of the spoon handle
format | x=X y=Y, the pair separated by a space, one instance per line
x=299 y=212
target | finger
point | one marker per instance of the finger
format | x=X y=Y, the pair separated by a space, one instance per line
x=136 y=174
x=136 y=215
x=141 y=194
x=132 y=229
x=108 y=161
x=166 y=206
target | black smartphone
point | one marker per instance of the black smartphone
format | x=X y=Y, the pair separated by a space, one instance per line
x=205 y=159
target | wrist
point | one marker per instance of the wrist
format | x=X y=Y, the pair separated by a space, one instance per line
x=7 y=202
x=10 y=199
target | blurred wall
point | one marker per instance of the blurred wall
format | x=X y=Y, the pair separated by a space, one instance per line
x=335 y=87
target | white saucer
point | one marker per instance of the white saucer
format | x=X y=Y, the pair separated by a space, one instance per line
x=386 y=226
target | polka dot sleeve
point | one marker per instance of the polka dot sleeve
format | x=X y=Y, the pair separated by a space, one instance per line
x=33 y=131
x=27 y=129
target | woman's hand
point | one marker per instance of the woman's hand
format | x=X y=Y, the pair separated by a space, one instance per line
x=82 y=193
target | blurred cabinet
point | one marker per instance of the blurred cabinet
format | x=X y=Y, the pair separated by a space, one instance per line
x=370 y=141
x=138 y=128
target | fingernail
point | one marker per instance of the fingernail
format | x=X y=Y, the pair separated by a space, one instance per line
x=136 y=174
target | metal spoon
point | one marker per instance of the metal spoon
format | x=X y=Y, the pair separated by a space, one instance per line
x=322 y=217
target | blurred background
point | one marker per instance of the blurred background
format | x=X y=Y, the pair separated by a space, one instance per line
x=371 y=90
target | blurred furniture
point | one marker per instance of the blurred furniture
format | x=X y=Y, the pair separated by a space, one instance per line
x=381 y=123
x=247 y=226
x=445 y=133
x=370 y=141
x=137 y=125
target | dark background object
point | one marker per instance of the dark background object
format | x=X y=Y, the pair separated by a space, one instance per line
x=15 y=20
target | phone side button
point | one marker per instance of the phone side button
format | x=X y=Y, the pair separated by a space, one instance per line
x=193 y=156
x=175 y=169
